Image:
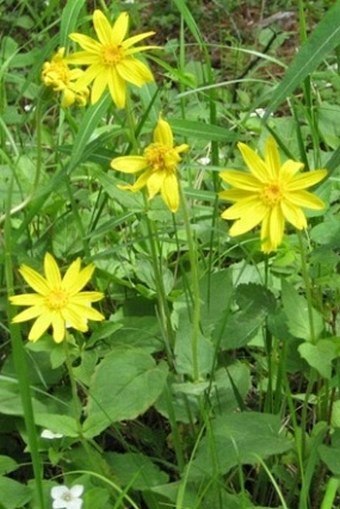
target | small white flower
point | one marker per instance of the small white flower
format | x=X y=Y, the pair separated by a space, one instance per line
x=50 y=435
x=129 y=1
x=204 y=161
x=67 y=498
x=259 y=112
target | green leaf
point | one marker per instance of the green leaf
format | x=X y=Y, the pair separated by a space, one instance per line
x=238 y=439
x=13 y=494
x=296 y=309
x=7 y=465
x=63 y=424
x=125 y=384
x=320 y=356
x=323 y=39
x=69 y=20
x=238 y=328
x=331 y=457
x=136 y=470
x=183 y=347
x=192 y=130
x=92 y=117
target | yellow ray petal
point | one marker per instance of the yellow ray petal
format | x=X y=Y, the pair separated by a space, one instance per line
x=52 y=271
x=84 y=58
x=26 y=299
x=102 y=27
x=163 y=133
x=243 y=207
x=294 y=215
x=29 y=313
x=272 y=157
x=139 y=184
x=307 y=179
x=289 y=169
x=98 y=86
x=306 y=200
x=139 y=49
x=117 y=88
x=40 y=326
x=85 y=42
x=35 y=280
x=134 y=71
x=136 y=38
x=120 y=28
x=235 y=194
x=255 y=164
x=155 y=182
x=241 y=180
x=181 y=148
x=169 y=192
x=73 y=316
x=71 y=274
x=82 y=279
x=58 y=324
x=276 y=227
x=248 y=221
x=86 y=312
x=89 y=75
x=129 y=164
x=87 y=297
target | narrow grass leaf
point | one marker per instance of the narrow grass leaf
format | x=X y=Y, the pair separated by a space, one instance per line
x=322 y=40
x=90 y=121
x=191 y=129
x=69 y=20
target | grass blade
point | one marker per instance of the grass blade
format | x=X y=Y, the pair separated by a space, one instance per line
x=322 y=40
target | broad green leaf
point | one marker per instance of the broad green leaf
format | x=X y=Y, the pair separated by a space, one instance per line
x=125 y=384
x=184 y=344
x=69 y=20
x=7 y=465
x=14 y=495
x=331 y=457
x=327 y=233
x=192 y=130
x=63 y=424
x=238 y=328
x=216 y=294
x=296 y=309
x=323 y=39
x=136 y=470
x=238 y=439
x=320 y=356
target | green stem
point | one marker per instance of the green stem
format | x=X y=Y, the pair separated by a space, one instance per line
x=196 y=298
x=20 y=364
x=308 y=288
x=163 y=305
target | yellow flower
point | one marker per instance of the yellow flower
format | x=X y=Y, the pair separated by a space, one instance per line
x=58 y=301
x=57 y=74
x=271 y=194
x=159 y=160
x=110 y=60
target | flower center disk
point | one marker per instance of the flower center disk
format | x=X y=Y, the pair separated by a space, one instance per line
x=57 y=299
x=161 y=158
x=112 y=55
x=272 y=194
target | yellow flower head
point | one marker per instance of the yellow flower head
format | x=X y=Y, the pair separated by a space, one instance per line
x=159 y=160
x=57 y=301
x=57 y=74
x=110 y=60
x=271 y=194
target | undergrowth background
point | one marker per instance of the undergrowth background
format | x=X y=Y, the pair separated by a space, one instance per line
x=214 y=380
